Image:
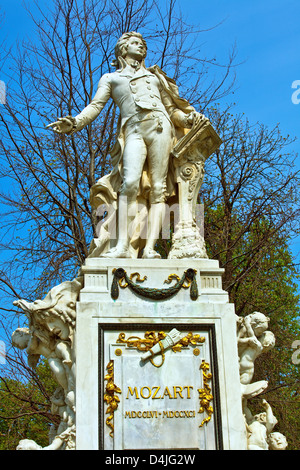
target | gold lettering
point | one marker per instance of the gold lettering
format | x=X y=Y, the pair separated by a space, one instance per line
x=143 y=414
x=155 y=393
x=175 y=388
x=188 y=390
x=167 y=393
x=132 y=393
x=178 y=414
x=142 y=393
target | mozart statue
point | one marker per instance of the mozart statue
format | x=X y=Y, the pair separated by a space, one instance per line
x=152 y=119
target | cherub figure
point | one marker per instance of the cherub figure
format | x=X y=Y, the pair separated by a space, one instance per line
x=253 y=340
x=50 y=334
x=277 y=441
x=259 y=427
x=63 y=441
x=57 y=352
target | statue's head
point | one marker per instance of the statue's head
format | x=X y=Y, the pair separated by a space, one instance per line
x=267 y=340
x=130 y=43
x=259 y=322
x=28 y=444
x=277 y=441
x=21 y=337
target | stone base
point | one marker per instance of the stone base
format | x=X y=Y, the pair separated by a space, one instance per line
x=188 y=397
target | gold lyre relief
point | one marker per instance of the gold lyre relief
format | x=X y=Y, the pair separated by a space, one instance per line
x=151 y=338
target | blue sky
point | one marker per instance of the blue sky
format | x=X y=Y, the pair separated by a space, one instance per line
x=267 y=37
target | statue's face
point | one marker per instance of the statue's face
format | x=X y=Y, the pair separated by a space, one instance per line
x=21 y=339
x=135 y=48
x=260 y=323
x=58 y=327
x=277 y=441
x=261 y=418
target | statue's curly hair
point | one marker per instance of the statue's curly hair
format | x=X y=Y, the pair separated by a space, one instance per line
x=122 y=46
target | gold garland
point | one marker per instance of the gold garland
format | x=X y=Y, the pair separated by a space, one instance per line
x=205 y=395
x=109 y=397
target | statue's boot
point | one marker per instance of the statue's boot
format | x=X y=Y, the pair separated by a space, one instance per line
x=116 y=252
x=150 y=254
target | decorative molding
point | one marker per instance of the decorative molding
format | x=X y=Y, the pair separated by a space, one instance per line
x=121 y=279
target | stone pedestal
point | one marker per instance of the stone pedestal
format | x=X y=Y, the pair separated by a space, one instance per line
x=188 y=395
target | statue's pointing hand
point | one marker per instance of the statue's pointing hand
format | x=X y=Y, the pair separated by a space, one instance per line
x=63 y=125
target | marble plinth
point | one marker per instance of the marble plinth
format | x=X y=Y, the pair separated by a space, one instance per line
x=124 y=402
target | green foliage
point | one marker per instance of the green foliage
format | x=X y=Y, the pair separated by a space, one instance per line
x=267 y=284
x=25 y=408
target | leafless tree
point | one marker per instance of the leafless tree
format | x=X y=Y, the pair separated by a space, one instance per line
x=251 y=196
x=250 y=192
x=47 y=222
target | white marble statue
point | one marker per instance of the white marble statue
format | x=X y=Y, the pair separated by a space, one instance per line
x=152 y=119
x=277 y=441
x=64 y=441
x=57 y=352
x=259 y=427
x=51 y=334
x=253 y=340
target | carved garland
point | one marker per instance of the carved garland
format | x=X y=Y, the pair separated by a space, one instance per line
x=121 y=279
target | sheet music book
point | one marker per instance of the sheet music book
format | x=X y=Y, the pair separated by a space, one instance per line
x=201 y=134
